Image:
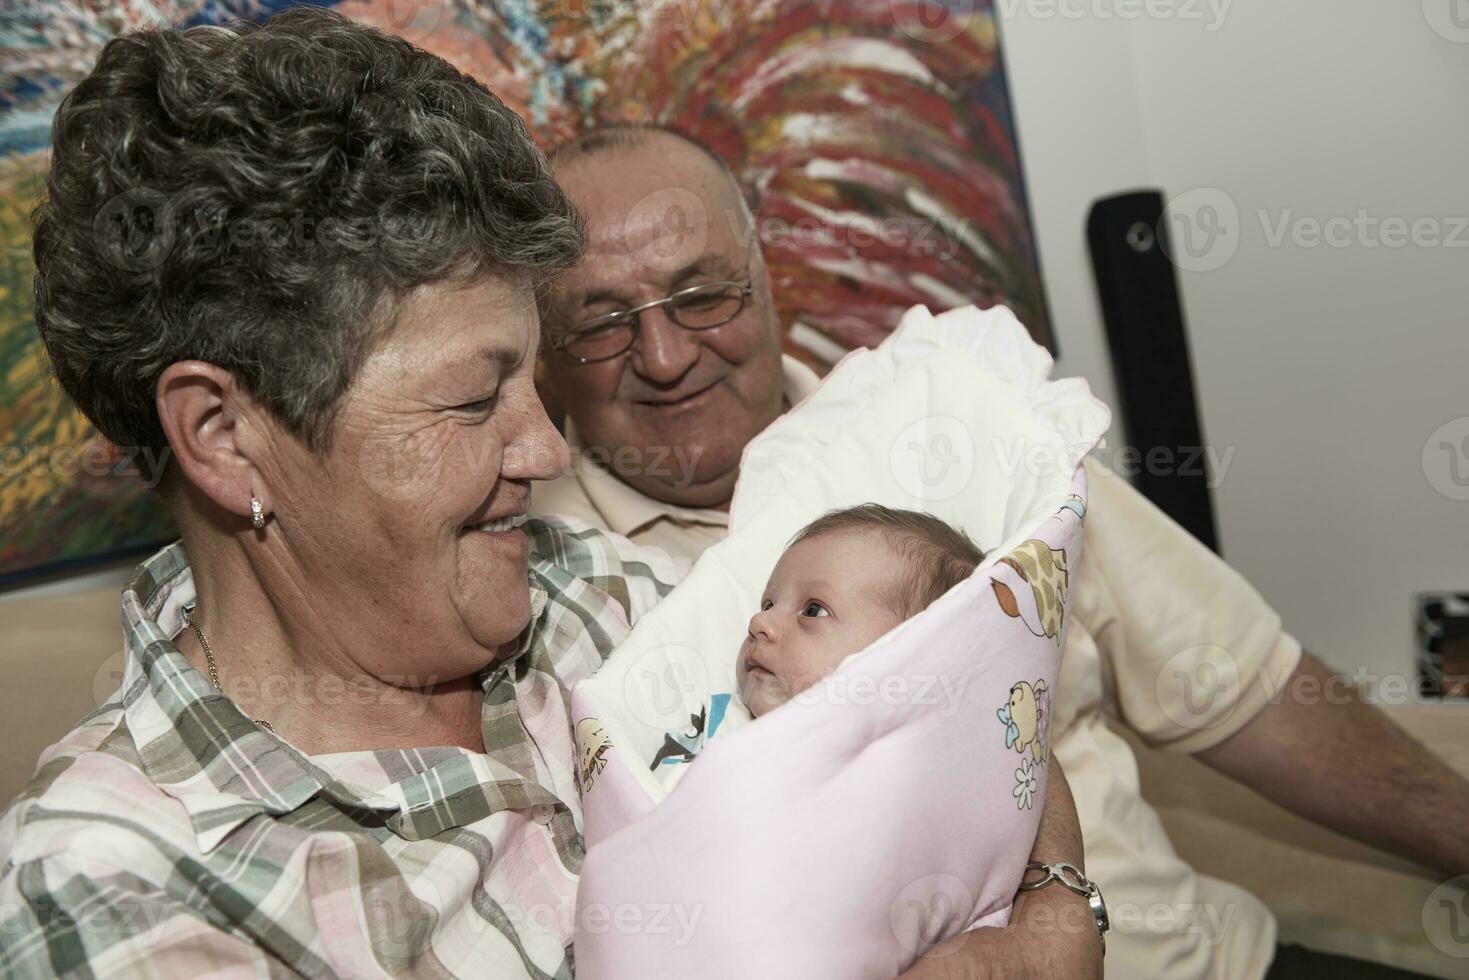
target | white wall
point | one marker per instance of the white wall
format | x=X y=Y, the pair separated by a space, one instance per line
x=1325 y=369
x=1081 y=137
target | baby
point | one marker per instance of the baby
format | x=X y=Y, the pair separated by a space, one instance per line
x=844 y=580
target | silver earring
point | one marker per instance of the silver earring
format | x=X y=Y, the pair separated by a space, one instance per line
x=257 y=515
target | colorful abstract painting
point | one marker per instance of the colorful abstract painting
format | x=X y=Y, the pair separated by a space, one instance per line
x=876 y=136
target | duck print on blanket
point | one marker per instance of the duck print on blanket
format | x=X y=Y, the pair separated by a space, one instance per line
x=1044 y=570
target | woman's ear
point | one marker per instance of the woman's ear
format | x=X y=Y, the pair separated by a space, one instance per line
x=203 y=413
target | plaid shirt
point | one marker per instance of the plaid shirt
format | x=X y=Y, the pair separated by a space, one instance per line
x=168 y=835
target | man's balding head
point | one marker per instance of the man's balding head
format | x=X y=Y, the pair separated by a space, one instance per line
x=663 y=213
x=631 y=136
x=708 y=192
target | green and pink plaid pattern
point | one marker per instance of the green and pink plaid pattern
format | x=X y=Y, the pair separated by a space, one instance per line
x=169 y=836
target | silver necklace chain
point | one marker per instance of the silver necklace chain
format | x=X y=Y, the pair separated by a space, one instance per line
x=214 y=670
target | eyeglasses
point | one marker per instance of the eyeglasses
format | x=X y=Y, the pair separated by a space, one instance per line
x=709 y=304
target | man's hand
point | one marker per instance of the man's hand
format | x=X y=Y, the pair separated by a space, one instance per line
x=1051 y=932
x=1321 y=752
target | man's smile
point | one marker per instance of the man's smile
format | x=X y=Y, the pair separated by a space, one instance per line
x=677 y=401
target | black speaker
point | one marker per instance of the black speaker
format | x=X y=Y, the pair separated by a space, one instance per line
x=1150 y=359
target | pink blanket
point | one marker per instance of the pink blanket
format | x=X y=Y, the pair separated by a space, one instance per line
x=893 y=805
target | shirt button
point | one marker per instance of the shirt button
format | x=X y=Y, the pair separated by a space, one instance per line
x=543 y=813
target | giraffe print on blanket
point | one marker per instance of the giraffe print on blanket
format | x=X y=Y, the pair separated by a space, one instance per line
x=1044 y=570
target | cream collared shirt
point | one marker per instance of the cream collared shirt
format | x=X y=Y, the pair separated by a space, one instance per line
x=1164 y=638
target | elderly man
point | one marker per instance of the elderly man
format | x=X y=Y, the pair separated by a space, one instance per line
x=663 y=348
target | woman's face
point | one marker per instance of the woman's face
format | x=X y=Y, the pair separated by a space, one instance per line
x=440 y=432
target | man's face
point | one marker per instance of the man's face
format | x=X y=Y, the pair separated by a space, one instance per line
x=672 y=415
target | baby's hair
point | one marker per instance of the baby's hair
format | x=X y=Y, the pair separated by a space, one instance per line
x=938 y=556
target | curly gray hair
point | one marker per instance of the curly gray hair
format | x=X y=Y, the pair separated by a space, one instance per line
x=260 y=197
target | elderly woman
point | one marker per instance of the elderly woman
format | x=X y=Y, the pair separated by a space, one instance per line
x=302 y=258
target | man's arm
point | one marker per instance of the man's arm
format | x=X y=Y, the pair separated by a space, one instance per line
x=1051 y=932
x=1321 y=752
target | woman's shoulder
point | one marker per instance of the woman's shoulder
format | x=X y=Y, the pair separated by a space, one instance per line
x=89 y=794
x=92 y=856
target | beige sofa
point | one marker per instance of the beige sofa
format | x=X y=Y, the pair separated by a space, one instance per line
x=63 y=658
x=63 y=655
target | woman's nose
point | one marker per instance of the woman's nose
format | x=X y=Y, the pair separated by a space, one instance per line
x=536 y=450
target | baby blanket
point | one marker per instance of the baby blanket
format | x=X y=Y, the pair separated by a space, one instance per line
x=895 y=804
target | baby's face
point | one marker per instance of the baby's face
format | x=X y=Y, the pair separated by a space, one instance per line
x=825 y=600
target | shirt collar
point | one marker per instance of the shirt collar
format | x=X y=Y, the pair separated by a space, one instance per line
x=627 y=510
x=193 y=742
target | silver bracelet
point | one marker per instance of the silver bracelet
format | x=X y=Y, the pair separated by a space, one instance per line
x=1071 y=877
